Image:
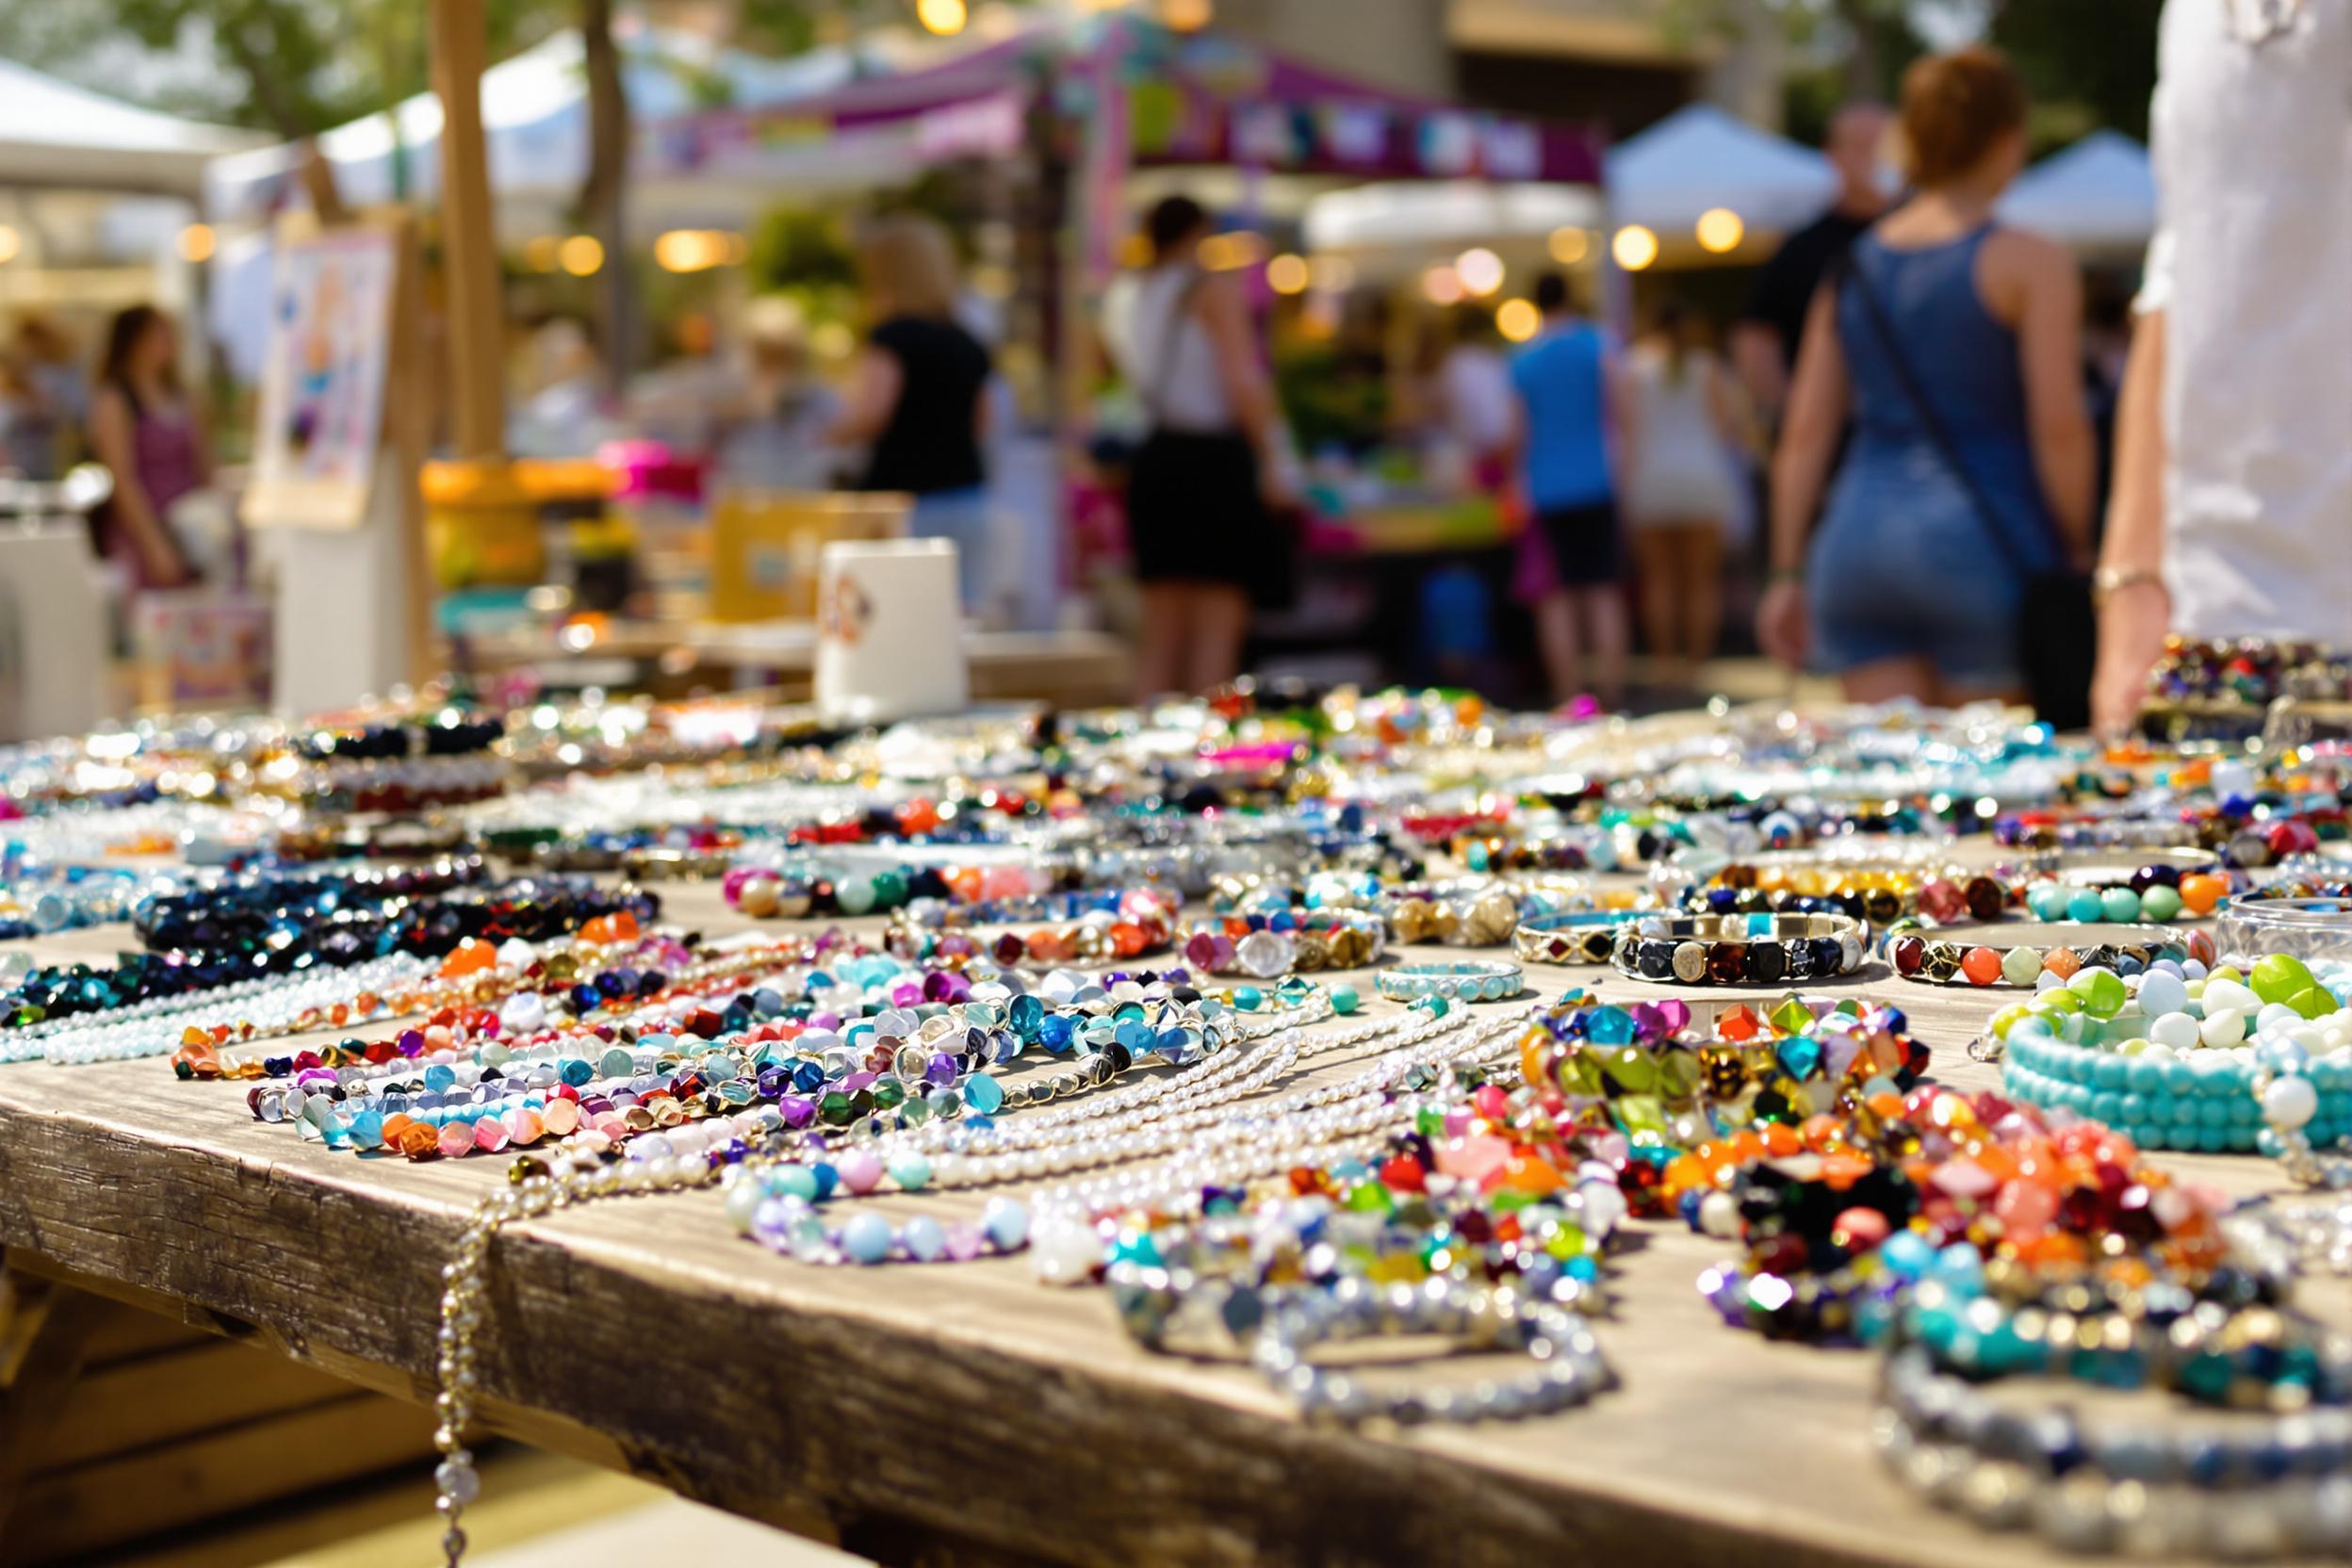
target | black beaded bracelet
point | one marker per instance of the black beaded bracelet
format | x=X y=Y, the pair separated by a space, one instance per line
x=1739 y=950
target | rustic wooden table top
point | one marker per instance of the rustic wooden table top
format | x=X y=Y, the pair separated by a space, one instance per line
x=964 y=1413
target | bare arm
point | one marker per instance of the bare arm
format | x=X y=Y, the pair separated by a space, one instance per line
x=2138 y=609
x=874 y=394
x=1624 y=410
x=114 y=443
x=1808 y=444
x=2050 y=343
x=1225 y=317
x=1756 y=354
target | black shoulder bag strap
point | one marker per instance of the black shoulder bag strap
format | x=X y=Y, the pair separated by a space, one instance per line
x=2057 y=644
x=1914 y=394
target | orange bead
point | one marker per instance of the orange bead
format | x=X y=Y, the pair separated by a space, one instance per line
x=1982 y=965
x=1781 y=1141
x=470 y=956
x=2061 y=962
x=2200 y=893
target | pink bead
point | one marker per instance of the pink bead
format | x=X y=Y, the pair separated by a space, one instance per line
x=524 y=1125
x=1862 y=1228
x=861 y=1171
x=489 y=1135
x=1003 y=882
x=456 y=1138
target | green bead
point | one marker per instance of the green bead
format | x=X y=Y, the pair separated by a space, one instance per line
x=855 y=894
x=1344 y=999
x=2281 y=976
x=2313 y=1003
x=2119 y=904
x=2101 y=991
x=889 y=889
x=2160 y=902
x=1434 y=1005
x=2019 y=965
x=1370 y=1197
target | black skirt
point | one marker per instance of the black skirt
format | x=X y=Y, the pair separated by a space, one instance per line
x=1194 y=512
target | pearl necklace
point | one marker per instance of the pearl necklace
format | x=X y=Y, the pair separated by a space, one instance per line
x=153 y=1027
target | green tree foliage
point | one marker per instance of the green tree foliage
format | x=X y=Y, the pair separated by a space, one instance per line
x=2088 y=63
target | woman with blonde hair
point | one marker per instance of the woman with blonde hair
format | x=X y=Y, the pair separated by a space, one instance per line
x=915 y=400
x=1955 y=345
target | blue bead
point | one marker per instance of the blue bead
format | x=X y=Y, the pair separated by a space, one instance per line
x=1006 y=1220
x=924 y=1239
x=983 y=1093
x=867 y=1238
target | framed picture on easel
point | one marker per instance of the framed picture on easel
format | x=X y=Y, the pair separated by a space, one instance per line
x=339 y=440
x=322 y=385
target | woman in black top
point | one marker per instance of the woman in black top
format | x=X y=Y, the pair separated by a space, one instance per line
x=916 y=401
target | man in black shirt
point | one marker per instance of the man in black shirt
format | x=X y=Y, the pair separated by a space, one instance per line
x=1764 y=342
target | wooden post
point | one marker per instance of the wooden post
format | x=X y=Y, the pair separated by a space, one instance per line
x=468 y=244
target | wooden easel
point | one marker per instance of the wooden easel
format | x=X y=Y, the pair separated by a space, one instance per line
x=348 y=546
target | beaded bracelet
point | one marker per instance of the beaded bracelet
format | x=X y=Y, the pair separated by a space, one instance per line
x=2195 y=1492
x=2166 y=1068
x=1568 y=937
x=1267 y=947
x=1476 y=914
x=1732 y=950
x=2021 y=955
x=1471 y=980
x=791 y=1224
x=1570 y=1368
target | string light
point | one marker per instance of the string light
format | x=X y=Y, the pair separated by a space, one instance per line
x=695 y=250
x=1634 y=247
x=1720 y=230
x=1481 y=271
x=580 y=255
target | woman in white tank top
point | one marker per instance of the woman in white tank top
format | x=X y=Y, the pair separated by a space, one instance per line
x=1681 y=487
x=1199 y=492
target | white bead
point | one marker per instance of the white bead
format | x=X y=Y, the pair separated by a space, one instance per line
x=2290 y=1103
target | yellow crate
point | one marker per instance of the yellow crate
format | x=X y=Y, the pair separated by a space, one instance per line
x=765 y=543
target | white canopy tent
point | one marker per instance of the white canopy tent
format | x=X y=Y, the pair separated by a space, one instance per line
x=534 y=110
x=1699 y=157
x=1443 y=216
x=2099 y=194
x=53 y=135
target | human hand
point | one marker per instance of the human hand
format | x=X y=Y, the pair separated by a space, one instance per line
x=2131 y=628
x=1783 y=622
x=165 y=566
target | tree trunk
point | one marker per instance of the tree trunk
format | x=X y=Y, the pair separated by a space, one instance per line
x=603 y=197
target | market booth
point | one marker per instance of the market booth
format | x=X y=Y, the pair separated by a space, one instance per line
x=1096 y=118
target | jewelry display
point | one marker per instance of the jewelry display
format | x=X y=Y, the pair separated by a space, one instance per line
x=1739 y=950
x=2019 y=954
x=1469 y=981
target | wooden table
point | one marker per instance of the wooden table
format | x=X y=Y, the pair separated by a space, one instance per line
x=962 y=1413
